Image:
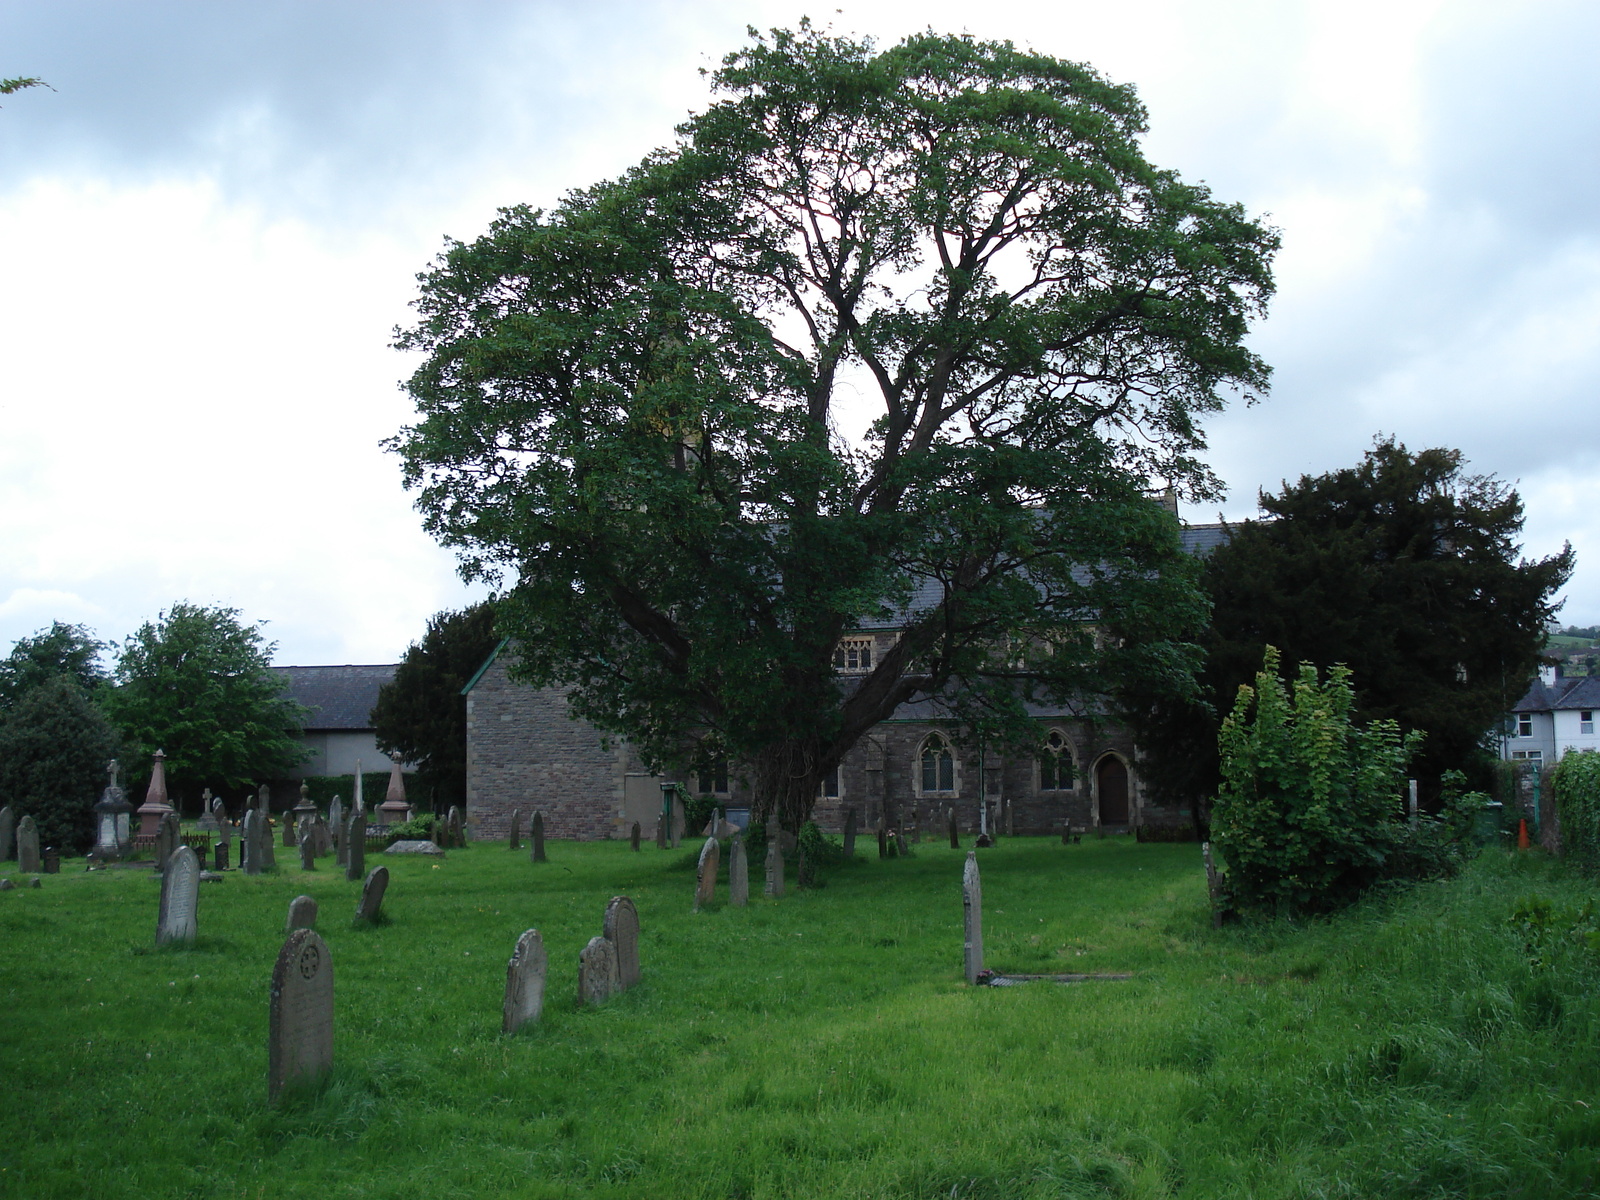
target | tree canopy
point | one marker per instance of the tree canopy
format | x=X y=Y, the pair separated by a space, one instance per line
x=54 y=747
x=195 y=683
x=421 y=716
x=897 y=336
x=69 y=651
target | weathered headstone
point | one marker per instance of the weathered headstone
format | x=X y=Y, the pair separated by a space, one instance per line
x=371 y=906
x=955 y=834
x=219 y=814
x=525 y=976
x=336 y=821
x=166 y=840
x=6 y=885
x=180 y=896
x=661 y=834
x=300 y=1024
x=633 y=838
x=413 y=846
x=516 y=844
x=288 y=834
x=680 y=818
x=916 y=826
x=302 y=914
x=322 y=834
x=27 y=846
x=249 y=854
x=705 y=879
x=738 y=874
x=458 y=837
x=269 y=856
x=850 y=833
x=972 y=919
x=208 y=819
x=774 y=862
x=355 y=858
x=621 y=929
x=597 y=971
x=308 y=851
x=219 y=855
x=536 y=836
x=8 y=832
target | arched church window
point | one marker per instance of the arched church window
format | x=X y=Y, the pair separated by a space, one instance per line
x=938 y=766
x=1055 y=764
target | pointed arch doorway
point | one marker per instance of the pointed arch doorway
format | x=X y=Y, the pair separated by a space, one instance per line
x=1111 y=789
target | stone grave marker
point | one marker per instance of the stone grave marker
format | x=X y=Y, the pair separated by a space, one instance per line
x=219 y=857
x=6 y=885
x=458 y=837
x=955 y=834
x=166 y=840
x=738 y=874
x=269 y=856
x=536 y=835
x=774 y=863
x=300 y=1021
x=414 y=846
x=621 y=929
x=355 y=858
x=525 y=976
x=288 y=835
x=705 y=878
x=308 y=851
x=302 y=914
x=180 y=897
x=972 y=919
x=219 y=814
x=850 y=833
x=336 y=820
x=371 y=906
x=322 y=834
x=633 y=838
x=28 y=846
x=208 y=818
x=597 y=972
x=680 y=818
x=661 y=834
x=516 y=844
x=916 y=826
x=8 y=832
x=248 y=858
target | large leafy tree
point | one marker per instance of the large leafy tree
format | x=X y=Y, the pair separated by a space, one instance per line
x=195 y=683
x=637 y=405
x=54 y=747
x=66 y=651
x=421 y=716
x=1404 y=568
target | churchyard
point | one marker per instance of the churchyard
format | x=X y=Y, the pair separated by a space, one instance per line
x=1439 y=1042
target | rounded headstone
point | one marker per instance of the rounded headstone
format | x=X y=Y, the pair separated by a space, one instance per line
x=300 y=1023
x=302 y=914
x=621 y=929
x=180 y=897
x=525 y=976
x=372 y=890
x=597 y=972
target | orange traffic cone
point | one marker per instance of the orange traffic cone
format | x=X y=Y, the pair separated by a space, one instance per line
x=1522 y=834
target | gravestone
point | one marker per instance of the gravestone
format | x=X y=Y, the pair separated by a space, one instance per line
x=219 y=856
x=288 y=834
x=633 y=838
x=774 y=863
x=738 y=874
x=8 y=832
x=525 y=975
x=249 y=856
x=705 y=878
x=302 y=914
x=355 y=858
x=27 y=846
x=371 y=906
x=972 y=919
x=300 y=1021
x=166 y=840
x=323 y=836
x=661 y=834
x=458 y=837
x=208 y=817
x=336 y=821
x=621 y=929
x=219 y=814
x=308 y=851
x=955 y=835
x=516 y=844
x=180 y=896
x=850 y=833
x=536 y=836
x=6 y=885
x=269 y=856
x=680 y=818
x=597 y=972
x=414 y=846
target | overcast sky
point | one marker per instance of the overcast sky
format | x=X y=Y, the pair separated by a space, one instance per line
x=209 y=229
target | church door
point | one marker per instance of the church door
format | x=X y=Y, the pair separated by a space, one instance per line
x=1111 y=782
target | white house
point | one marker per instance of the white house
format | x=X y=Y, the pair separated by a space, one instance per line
x=1557 y=715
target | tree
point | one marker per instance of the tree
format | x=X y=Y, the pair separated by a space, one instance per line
x=54 y=747
x=1404 y=568
x=195 y=683
x=69 y=651
x=421 y=716
x=636 y=404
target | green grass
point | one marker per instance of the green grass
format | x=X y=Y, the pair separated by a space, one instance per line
x=820 y=1046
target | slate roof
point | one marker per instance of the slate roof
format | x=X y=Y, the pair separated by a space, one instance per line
x=1579 y=691
x=338 y=697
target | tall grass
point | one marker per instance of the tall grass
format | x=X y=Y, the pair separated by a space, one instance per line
x=1433 y=1043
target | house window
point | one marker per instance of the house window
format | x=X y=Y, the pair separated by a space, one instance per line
x=828 y=789
x=1529 y=755
x=1055 y=765
x=1586 y=720
x=853 y=656
x=938 y=766
x=714 y=779
x=1524 y=725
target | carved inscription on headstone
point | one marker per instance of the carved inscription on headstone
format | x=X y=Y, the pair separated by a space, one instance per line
x=597 y=971
x=738 y=874
x=621 y=929
x=536 y=834
x=972 y=919
x=300 y=1024
x=525 y=976
x=705 y=880
x=302 y=914
x=371 y=906
x=27 y=845
x=180 y=896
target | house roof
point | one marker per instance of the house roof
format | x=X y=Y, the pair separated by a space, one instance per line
x=1579 y=691
x=338 y=697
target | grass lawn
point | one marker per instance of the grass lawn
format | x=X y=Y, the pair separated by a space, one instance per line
x=822 y=1046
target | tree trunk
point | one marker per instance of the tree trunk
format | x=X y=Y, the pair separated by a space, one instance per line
x=787 y=777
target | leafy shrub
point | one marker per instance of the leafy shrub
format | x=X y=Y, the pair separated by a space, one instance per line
x=419 y=829
x=1575 y=781
x=1308 y=815
x=697 y=812
x=54 y=746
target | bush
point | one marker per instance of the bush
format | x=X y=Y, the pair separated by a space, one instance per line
x=419 y=829
x=54 y=746
x=1308 y=816
x=1575 y=782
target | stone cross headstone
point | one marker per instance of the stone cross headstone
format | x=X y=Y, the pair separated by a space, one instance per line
x=536 y=835
x=621 y=929
x=516 y=839
x=355 y=858
x=371 y=906
x=705 y=879
x=302 y=914
x=633 y=838
x=8 y=832
x=208 y=818
x=955 y=834
x=525 y=976
x=850 y=833
x=774 y=862
x=308 y=851
x=597 y=972
x=27 y=846
x=972 y=919
x=180 y=895
x=300 y=1021
x=738 y=874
